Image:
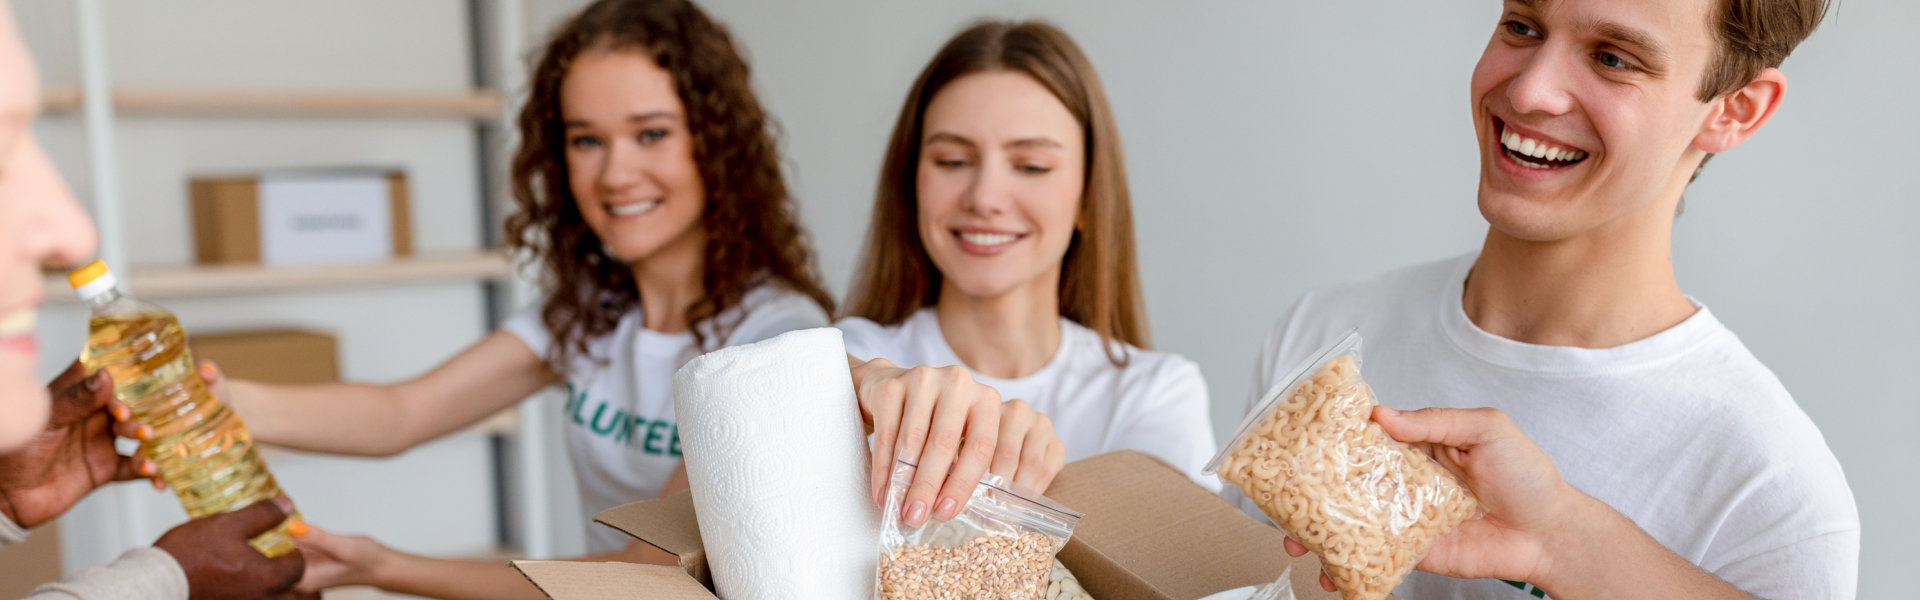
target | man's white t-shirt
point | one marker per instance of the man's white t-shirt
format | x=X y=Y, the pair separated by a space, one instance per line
x=1156 y=404
x=619 y=411
x=1684 y=432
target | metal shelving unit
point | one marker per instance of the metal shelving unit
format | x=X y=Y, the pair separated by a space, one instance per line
x=497 y=38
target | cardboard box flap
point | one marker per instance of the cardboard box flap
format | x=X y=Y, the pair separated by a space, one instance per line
x=1146 y=523
x=665 y=523
x=1150 y=533
x=609 y=580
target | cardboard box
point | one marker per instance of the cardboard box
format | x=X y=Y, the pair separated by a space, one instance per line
x=302 y=217
x=26 y=565
x=1149 y=534
x=271 y=356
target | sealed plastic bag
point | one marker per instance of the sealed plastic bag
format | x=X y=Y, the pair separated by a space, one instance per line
x=1280 y=589
x=1000 y=547
x=1312 y=459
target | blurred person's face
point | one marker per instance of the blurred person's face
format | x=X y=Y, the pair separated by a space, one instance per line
x=40 y=225
x=1586 y=112
x=630 y=155
x=1002 y=167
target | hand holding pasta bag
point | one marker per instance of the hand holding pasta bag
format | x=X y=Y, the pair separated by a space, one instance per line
x=1312 y=459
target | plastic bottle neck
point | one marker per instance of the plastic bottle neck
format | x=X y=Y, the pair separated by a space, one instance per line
x=104 y=298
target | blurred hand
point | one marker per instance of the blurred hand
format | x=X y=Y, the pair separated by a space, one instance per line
x=221 y=566
x=216 y=382
x=952 y=427
x=335 y=560
x=74 y=455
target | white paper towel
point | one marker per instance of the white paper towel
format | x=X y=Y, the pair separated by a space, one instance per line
x=778 y=461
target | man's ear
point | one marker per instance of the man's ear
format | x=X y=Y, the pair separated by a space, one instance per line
x=1739 y=114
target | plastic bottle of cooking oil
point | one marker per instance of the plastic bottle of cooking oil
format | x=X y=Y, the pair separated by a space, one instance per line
x=200 y=445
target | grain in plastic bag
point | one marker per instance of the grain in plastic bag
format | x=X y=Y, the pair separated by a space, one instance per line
x=1310 y=456
x=1000 y=547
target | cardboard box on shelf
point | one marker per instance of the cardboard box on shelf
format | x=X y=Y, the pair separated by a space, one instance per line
x=1149 y=534
x=271 y=356
x=302 y=217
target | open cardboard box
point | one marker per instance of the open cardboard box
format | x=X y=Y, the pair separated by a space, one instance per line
x=1149 y=534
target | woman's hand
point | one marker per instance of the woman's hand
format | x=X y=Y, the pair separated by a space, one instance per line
x=955 y=429
x=335 y=560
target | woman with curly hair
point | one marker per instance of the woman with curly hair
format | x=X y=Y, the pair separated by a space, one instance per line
x=649 y=188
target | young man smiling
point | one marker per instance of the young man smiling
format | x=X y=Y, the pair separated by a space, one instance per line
x=1623 y=441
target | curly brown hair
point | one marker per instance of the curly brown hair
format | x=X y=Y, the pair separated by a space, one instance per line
x=753 y=232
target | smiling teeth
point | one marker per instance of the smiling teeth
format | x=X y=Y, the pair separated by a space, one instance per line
x=989 y=239
x=17 y=323
x=628 y=210
x=1525 y=146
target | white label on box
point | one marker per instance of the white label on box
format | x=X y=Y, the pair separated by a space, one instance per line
x=325 y=218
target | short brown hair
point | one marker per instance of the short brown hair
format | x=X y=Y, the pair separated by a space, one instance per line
x=753 y=229
x=1754 y=35
x=1099 y=277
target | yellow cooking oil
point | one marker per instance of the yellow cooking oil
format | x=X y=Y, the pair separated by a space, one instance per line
x=202 y=449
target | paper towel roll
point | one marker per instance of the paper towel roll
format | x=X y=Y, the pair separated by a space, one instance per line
x=778 y=461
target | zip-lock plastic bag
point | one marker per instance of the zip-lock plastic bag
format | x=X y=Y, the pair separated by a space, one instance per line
x=1000 y=547
x=1310 y=456
x=1280 y=589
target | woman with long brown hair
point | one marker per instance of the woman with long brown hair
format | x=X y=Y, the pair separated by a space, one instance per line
x=1002 y=240
x=649 y=189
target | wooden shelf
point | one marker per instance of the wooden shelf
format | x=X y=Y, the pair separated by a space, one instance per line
x=484 y=104
x=158 y=282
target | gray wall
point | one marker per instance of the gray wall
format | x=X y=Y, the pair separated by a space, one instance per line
x=1244 y=122
x=1275 y=147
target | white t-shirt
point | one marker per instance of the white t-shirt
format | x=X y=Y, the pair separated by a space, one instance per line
x=619 y=412
x=1684 y=432
x=1157 y=404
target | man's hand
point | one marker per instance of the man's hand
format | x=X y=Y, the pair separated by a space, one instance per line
x=1537 y=527
x=74 y=455
x=221 y=566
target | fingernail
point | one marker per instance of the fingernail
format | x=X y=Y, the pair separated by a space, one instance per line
x=93 y=382
x=916 y=513
x=143 y=434
x=159 y=486
x=285 y=504
x=298 y=528
x=147 y=469
x=119 y=412
x=207 y=371
x=946 y=509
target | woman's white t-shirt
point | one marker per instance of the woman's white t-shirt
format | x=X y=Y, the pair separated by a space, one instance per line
x=619 y=411
x=1156 y=404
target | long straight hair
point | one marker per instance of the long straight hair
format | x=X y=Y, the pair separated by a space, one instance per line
x=1099 y=277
